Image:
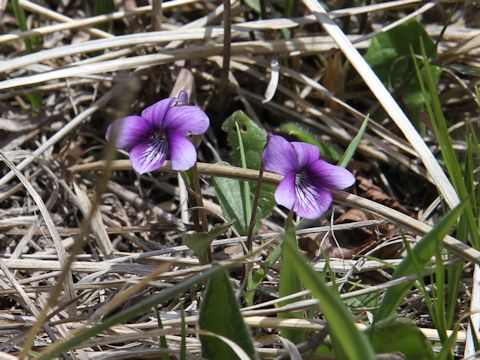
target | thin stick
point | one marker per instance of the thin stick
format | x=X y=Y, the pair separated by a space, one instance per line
x=157 y=14
x=342 y=197
x=227 y=40
x=35 y=8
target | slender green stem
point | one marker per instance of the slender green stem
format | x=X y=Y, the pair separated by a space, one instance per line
x=255 y=207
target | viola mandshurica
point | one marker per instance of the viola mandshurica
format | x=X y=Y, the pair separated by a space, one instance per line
x=161 y=132
x=305 y=187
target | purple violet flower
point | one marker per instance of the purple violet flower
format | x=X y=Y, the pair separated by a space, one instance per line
x=305 y=187
x=161 y=131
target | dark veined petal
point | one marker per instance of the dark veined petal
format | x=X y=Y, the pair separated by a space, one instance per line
x=285 y=194
x=149 y=156
x=157 y=112
x=130 y=131
x=312 y=201
x=182 y=152
x=279 y=156
x=330 y=176
x=186 y=120
x=306 y=153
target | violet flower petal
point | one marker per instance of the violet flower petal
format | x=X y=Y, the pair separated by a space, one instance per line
x=182 y=152
x=306 y=153
x=157 y=112
x=129 y=131
x=330 y=176
x=148 y=156
x=187 y=120
x=182 y=97
x=279 y=156
x=285 y=194
x=312 y=201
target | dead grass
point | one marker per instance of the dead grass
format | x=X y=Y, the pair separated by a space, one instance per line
x=83 y=238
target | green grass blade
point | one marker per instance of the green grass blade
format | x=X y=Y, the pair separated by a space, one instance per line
x=423 y=251
x=440 y=127
x=162 y=339
x=352 y=341
x=247 y=205
x=183 y=335
x=290 y=283
x=22 y=23
x=348 y=154
x=256 y=277
x=31 y=44
x=65 y=345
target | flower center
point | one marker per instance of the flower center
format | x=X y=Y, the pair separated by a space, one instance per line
x=158 y=143
x=304 y=189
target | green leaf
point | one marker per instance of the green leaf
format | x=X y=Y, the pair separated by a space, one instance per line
x=82 y=336
x=442 y=134
x=32 y=44
x=327 y=150
x=253 y=138
x=199 y=242
x=220 y=314
x=347 y=156
x=340 y=322
x=101 y=7
x=390 y=57
x=247 y=204
x=400 y=335
x=162 y=340
x=230 y=196
x=254 y=5
x=183 y=335
x=255 y=278
x=423 y=251
x=290 y=283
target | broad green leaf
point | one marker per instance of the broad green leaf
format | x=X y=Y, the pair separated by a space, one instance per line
x=290 y=283
x=328 y=151
x=254 y=139
x=353 y=342
x=400 y=335
x=347 y=156
x=424 y=250
x=220 y=314
x=199 y=242
x=230 y=196
x=390 y=57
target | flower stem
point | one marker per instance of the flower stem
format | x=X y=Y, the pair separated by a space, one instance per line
x=199 y=203
x=255 y=207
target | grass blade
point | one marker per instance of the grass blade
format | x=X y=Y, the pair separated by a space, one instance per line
x=347 y=156
x=423 y=251
x=290 y=283
x=353 y=342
